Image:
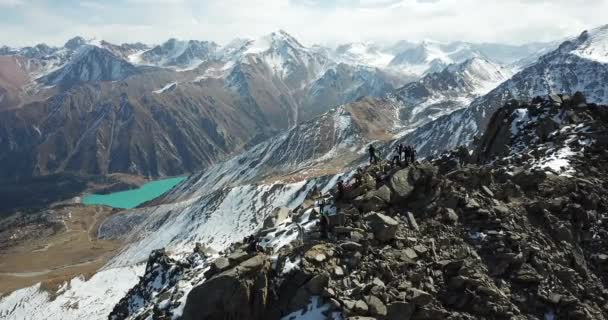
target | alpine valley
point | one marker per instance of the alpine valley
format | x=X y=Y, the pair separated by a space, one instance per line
x=504 y=216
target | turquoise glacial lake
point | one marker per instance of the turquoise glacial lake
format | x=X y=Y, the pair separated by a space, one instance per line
x=132 y=198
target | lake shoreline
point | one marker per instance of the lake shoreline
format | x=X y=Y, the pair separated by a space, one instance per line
x=132 y=198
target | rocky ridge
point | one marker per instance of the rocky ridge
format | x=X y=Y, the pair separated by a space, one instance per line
x=500 y=233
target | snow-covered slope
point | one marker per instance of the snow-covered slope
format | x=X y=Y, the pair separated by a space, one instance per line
x=432 y=56
x=441 y=93
x=287 y=58
x=77 y=299
x=593 y=45
x=177 y=54
x=577 y=65
x=89 y=64
x=362 y=53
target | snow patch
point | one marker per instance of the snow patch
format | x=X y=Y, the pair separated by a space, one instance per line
x=169 y=86
x=78 y=299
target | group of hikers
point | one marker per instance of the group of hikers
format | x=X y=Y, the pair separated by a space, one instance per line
x=403 y=155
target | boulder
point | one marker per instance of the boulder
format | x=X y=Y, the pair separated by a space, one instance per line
x=419 y=297
x=238 y=293
x=238 y=257
x=316 y=285
x=360 y=307
x=401 y=185
x=218 y=265
x=374 y=200
x=383 y=227
x=376 y=306
x=450 y=216
x=399 y=311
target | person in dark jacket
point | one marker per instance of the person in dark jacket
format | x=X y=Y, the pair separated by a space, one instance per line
x=396 y=160
x=413 y=155
x=373 y=159
x=406 y=155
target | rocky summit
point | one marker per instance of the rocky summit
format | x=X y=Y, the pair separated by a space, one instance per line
x=516 y=228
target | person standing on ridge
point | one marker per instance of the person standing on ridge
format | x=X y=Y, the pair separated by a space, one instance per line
x=406 y=155
x=373 y=159
x=413 y=155
x=396 y=158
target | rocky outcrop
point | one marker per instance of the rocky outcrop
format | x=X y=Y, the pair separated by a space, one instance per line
x=504 y=237
x=241 y=292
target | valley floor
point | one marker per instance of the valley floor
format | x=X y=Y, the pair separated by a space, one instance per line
x=52 y=253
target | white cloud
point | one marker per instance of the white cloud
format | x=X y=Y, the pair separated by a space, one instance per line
x=10 y=3
x=312 y=21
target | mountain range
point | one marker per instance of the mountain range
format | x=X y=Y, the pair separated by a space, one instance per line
x=270 y=120
x=92 y=107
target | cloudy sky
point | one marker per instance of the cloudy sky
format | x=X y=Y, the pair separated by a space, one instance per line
x=26 y=22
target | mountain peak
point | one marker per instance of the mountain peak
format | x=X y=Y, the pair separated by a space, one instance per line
x=274 y=40
x=593 y=45
x=75 y=43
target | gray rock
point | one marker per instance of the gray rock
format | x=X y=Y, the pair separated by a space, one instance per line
x=399 y=311
x=487 y=191
x=410 y=253
x=412 y=221
x=316 y=285
x=238 y=257
x=419 y=297
x=376 y=306
x=338 y=271
x=383 y=227
x=450 y=216
x=361 y=307
x=351 y=246
x=238 y=293
x=401 y=185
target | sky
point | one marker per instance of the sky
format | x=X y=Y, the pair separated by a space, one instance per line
x=327 y=22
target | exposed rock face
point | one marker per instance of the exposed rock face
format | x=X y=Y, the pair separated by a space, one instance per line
x=504 y=237
x=161 y=273
x=383 y=227
x=239 y=293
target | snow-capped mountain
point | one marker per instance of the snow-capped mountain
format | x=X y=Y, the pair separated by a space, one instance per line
x=431 y=56
x=161 y=120
x=285 y=57
x=418 y=59
x=88 y=64
x=578 y=64
x=236 y=96
x=344 y=83
x=453 y=88
x=177 y=54
x=362 y=53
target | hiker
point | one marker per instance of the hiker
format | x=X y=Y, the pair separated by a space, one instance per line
x=406 y=155
x=321 y=205
x=252 y=245
x=413 y=155
x=373 y=159
x=324 y=226
x=315 y=192
x=396 y=158
x=340 y=193
x=463 y=155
